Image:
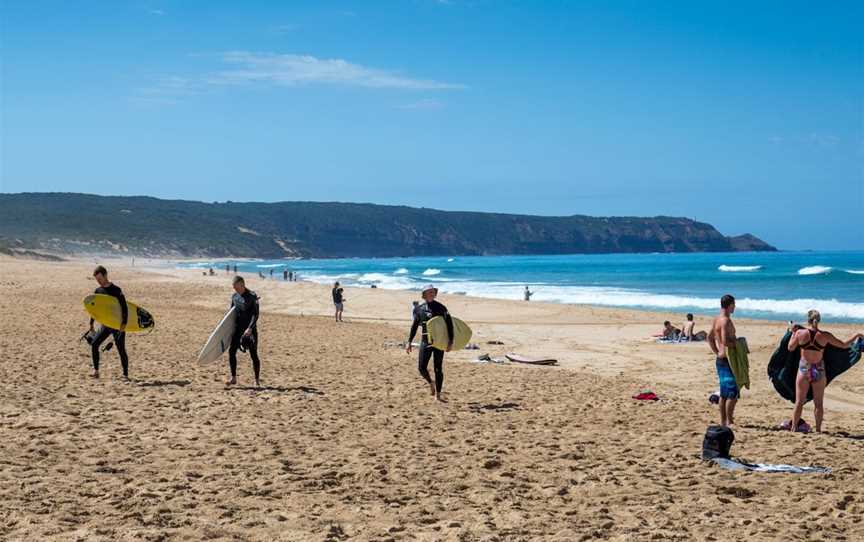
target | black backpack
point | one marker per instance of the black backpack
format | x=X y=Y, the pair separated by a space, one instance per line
x=718 y=441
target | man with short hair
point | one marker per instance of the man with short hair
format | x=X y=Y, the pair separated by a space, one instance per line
x=722 y=335
x=245 y=303
x=107 y=287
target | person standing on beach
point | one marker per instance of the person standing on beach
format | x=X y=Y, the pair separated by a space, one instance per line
x=245 y=303
x=338 y=300
x=285 y=275
x=107 y=287
x=721 y=336
x=422 y=314
x=811 y=368
x=528 y=294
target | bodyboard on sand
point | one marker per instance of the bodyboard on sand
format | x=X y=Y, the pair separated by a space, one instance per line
x=436 y=328
x=783 y=366
x=516 y=358
x=105 y=309
x=220 y=339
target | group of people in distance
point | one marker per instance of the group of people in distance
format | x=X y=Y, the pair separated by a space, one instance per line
x=810 y=339
x=811 y=368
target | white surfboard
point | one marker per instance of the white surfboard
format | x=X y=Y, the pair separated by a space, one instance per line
x=220 y=339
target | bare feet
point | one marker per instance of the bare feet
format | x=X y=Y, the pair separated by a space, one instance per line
x=94 y=374
x=440 y=398
x=432 y=387
x=125 y=378
x=257 y=383
x=232 y=382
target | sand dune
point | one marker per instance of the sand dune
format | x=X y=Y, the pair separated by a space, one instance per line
x=344 y=443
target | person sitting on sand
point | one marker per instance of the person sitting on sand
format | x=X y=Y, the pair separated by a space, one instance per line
x=811 y=369
x=669 y=331
x=687 y=333
x=338 y=300
x=245 y=303
x=107 y=287
x=722 y=335
x=422 y=314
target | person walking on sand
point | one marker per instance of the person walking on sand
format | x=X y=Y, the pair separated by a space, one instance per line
x=107 y=287
x=338 y=300
x=429 y=309
x=811 y=369
x=245 y=303
x=528 y=294
x=722 y=335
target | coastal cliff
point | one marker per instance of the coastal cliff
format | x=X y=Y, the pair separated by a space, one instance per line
x=81 y=223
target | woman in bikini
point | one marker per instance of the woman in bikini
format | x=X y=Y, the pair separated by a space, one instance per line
x=811 y=368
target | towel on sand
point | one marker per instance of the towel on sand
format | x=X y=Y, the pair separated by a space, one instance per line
x=738 y=361
x=732 y=464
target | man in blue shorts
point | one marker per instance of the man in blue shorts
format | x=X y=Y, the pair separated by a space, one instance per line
x=723 y=335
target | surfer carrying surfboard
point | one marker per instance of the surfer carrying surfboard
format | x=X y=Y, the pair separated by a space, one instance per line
x=107 y=287
x=245 y=303
x=424 y=312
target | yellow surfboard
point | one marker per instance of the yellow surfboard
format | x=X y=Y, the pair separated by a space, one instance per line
x=105 y=309
x=437 y=330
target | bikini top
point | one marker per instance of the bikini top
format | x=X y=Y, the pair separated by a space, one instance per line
x=812 y=345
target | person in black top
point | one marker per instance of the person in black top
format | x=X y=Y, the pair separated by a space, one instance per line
x=338 y=301
x=108 y=288
x=245 y=303
x=422 y=314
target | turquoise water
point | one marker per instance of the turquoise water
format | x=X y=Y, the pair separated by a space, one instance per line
x=781 y=285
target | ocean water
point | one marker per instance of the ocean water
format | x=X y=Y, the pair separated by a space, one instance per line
x=782 y=285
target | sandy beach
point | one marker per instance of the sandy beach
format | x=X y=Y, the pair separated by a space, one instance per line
x=344 y=442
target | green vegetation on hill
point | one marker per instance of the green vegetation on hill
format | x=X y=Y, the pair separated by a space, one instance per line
x=81 y=223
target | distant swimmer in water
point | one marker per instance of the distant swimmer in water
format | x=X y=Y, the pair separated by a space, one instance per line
x=245 y=303
x=337 y=300
x=107 y=287
x=422 y=314
x=811 y=369
x=687 y=333
x=528 y=294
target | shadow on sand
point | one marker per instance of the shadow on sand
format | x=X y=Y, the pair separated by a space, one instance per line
x=278 y=389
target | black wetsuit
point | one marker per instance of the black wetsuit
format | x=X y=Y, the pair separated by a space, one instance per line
x=422 y=314
x=246 y=317
x=104 y=332
x=337 y=296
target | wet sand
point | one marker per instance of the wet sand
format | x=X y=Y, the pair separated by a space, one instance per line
x=344 y=442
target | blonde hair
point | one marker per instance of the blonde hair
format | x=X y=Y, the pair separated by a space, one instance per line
x=813 y=317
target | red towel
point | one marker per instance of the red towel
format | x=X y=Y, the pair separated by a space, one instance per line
x=646 y=396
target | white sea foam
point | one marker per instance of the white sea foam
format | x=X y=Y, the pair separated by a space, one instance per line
x=268 y=265
x=401 y=271
x=431 y=272
x=451 y=259
x=620 y=297
x=855 y=271
x=815 y=270
x=739 y=268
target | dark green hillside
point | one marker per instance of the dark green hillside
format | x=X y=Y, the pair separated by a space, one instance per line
x=80 y=223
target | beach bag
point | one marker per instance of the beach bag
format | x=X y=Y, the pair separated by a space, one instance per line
x=718 y=441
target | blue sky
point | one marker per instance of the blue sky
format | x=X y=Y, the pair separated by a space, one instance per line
x=746 y=115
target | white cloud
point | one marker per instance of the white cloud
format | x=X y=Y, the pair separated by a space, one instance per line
x=295 y=70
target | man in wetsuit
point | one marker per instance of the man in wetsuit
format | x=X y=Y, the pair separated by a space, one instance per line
x=422 y=314
x=338 y=301
x=245 y=303
x=109 y=288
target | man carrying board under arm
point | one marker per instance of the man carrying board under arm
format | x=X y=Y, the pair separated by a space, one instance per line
x=107 y=287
